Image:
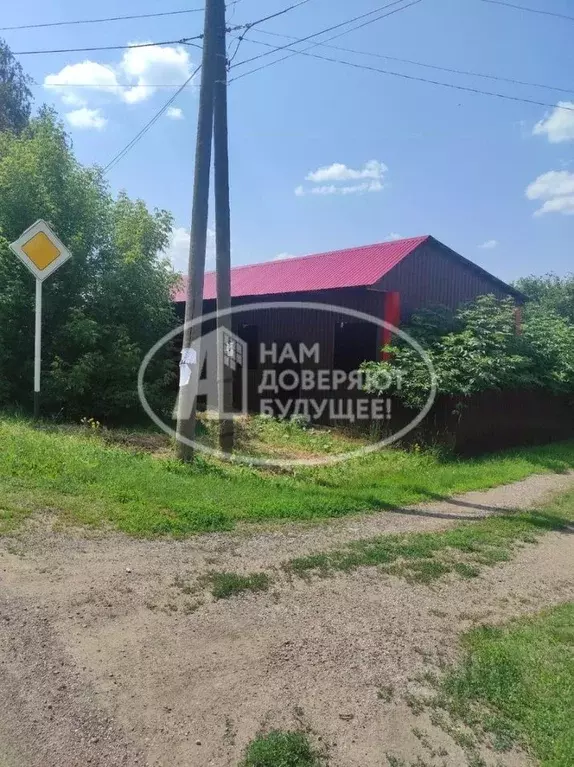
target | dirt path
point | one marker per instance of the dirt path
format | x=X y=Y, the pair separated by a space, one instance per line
x=103 y=660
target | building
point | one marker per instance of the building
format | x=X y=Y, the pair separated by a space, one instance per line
x=390 y=280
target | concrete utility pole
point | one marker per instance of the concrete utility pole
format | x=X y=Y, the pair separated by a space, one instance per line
x=222 y=233
x=187 y=406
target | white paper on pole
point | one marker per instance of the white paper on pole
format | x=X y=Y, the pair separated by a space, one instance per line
x=188 y=358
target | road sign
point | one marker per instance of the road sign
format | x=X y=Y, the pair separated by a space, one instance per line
x=42 y=252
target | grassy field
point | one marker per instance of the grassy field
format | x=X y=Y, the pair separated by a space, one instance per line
x=84 y=480
x=517 y=682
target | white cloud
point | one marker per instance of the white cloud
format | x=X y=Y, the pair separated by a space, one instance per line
x=372 y=169
x=563 y=205
x=371 y=186
x=489 y=244
x=556 y=189
x=143 y=69
x=559 y=125
x=283 y=256
x=370 y=175
x=151 y=66
x=395 y=236
x=86 y=119
x=178 y=249
x=555 y=183
x=87 y=73
x=174 y=113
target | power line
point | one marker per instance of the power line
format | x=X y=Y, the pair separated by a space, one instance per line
x=530 y=10
x=123 y=152
x=252 y=24
x=323 y=31
x=247 y=27
x=316 y=34
x=109 y=18
x=422 y=64
x=182 y=41
x=454 y=86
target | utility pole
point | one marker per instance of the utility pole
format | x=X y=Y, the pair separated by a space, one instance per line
x=187 y=405
x=222 y=234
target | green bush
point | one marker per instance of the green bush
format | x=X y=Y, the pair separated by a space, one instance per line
x=477 y=348
x=104 y=308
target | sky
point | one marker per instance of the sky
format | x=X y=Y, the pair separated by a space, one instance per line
x=324 y=155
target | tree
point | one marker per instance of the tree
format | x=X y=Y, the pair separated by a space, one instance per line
x=105 y=307
x=15 y=94
x=478 y=349
x=550 y=292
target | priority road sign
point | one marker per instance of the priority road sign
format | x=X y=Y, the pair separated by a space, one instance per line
x=42 y=252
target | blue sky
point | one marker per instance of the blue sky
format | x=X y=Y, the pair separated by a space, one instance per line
x=325 y=156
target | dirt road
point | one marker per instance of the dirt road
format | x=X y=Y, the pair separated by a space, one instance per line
x=105 y=660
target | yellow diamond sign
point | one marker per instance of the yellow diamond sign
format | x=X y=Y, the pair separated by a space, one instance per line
x=40 y=250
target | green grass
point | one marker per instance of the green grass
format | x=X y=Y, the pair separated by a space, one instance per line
x=425 y=557
x=83 y=480
x=519 y=682
x=281 y=749
x=224 y=585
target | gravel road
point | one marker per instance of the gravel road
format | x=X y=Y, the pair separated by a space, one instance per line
x=105 y=661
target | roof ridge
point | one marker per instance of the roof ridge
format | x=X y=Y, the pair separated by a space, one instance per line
x=421 y=237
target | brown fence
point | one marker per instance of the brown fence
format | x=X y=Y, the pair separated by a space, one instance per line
x=492 y=420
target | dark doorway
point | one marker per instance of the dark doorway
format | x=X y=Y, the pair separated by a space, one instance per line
x=355 y=343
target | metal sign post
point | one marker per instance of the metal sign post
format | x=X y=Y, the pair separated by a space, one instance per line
x=42 y=252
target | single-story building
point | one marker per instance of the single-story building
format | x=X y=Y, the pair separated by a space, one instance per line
x=389 y=280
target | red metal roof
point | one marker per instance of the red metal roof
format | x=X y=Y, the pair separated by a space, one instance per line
x=349 y=268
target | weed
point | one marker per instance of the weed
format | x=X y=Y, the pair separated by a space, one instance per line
x=190 y=607
x=415 y=704
x=426 y=557
x=394 y=761
x=281 y=749
x=386 y=693
x=225 y=585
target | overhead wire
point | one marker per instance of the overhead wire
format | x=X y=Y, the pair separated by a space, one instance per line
x=122 y=153
x=295 y=52
x=108 y=18
x=250 y=25
x=181 y=41
x=467 y=72
x=415 y=78
x=530 y=10
x=321 y=32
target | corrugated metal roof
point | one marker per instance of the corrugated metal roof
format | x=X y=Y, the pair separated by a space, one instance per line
x=349 y=268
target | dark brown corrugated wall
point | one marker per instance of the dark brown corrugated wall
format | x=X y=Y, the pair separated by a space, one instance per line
x=430 y=277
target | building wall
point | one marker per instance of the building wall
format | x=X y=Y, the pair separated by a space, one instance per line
x=430 y=276
x=301 y=325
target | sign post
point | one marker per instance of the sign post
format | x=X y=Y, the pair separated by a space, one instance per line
x=41 y=251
